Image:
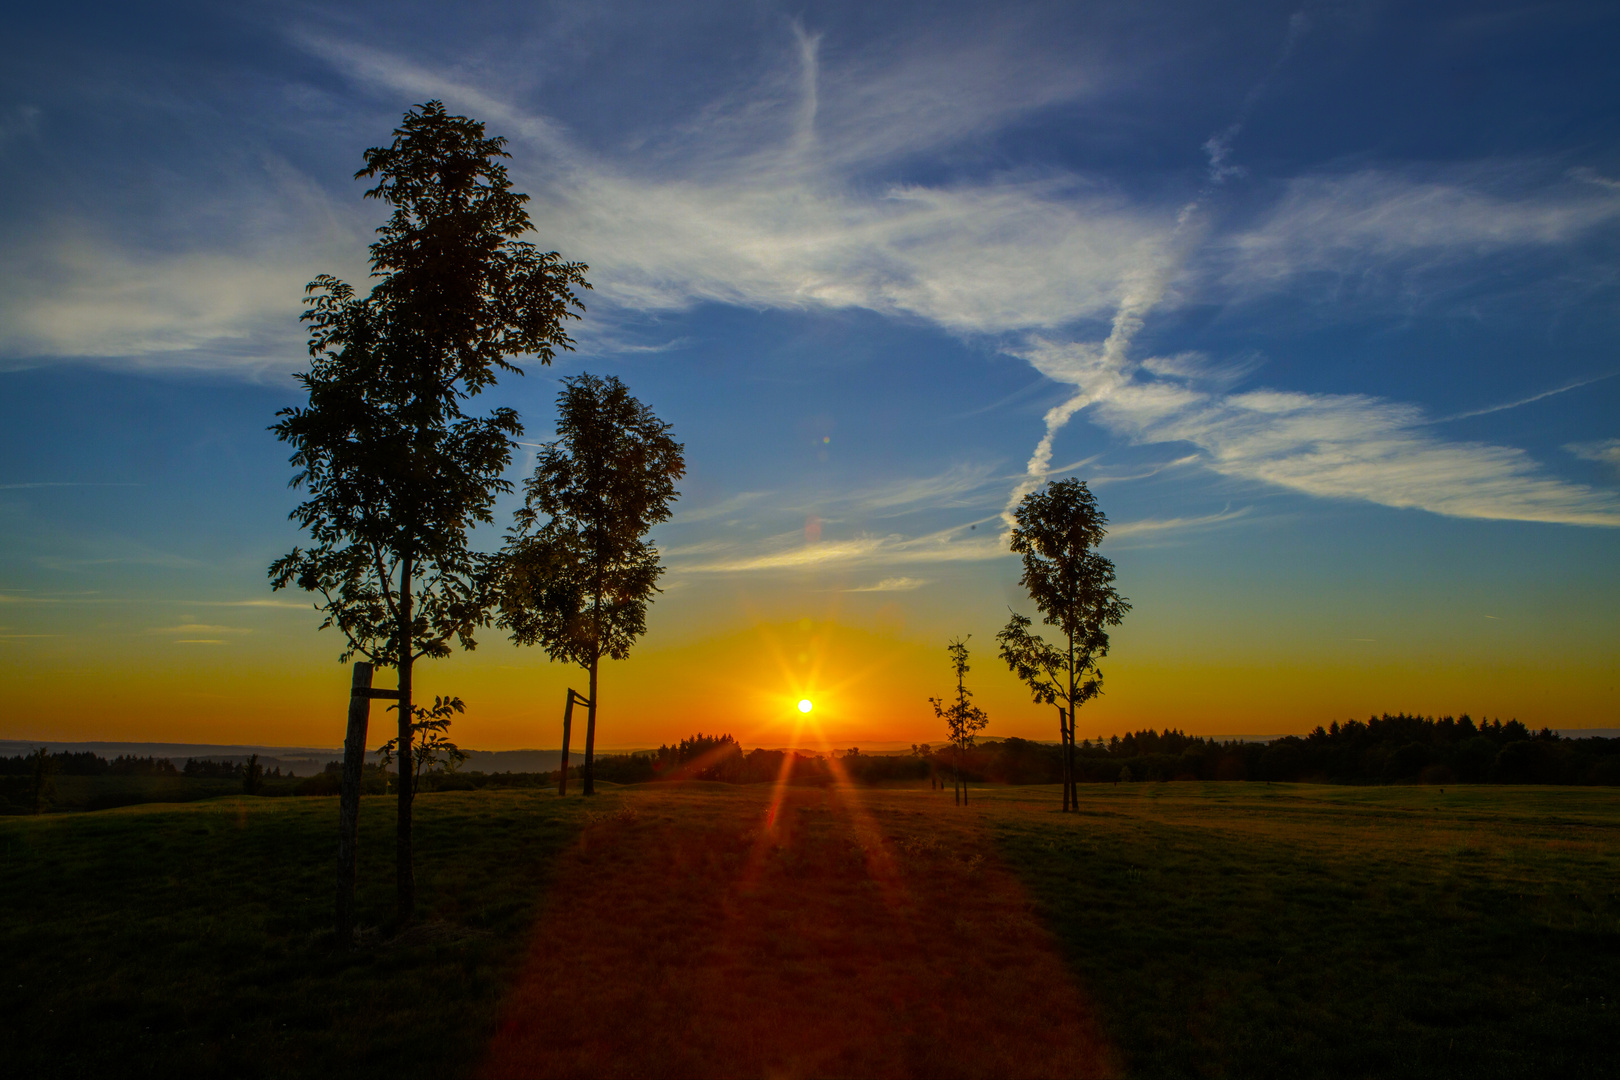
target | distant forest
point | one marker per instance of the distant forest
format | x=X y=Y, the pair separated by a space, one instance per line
x=1384 y=749
x=85 y=763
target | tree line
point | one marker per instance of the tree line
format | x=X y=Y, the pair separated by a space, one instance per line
x=1447 y=750
x=1387 y=749
x=87 y=763
x=1398 y=749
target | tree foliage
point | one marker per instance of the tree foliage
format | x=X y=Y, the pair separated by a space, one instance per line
x=397 y=472
x=433 y=749
x=396 y=469
x=577 y=571
x=963 y=719
x=41 y=768
x=1057 y=531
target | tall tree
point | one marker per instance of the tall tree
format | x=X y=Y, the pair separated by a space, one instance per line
x=577 y=569
x=963 y=719
x=1057 y=532
x=397 y=472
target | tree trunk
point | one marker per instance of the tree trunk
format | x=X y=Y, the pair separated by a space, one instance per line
x=568 y=727
x=1063 y=765
x=404 y=875
x=1070 y=771
x=1070 y=795
x=354 y=760
x=590 y=733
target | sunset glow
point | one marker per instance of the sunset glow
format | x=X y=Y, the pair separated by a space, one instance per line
x=882 y=274
x=810 y=539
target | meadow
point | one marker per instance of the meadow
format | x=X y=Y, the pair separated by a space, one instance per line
x=1169 y=929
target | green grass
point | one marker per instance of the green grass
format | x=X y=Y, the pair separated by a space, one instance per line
x=1294 y=930
x=1219 y=929
x=195 y=940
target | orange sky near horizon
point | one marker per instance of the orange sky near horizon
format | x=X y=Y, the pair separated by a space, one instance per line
x=870 y=686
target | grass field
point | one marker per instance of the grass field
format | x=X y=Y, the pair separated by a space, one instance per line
x=1169 y=930
x=1293 y=930
x=194 y=940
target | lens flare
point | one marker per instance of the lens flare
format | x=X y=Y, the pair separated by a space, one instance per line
x=804 y=705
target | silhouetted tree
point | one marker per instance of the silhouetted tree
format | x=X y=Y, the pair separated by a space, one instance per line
x=577 y=572
x=252 y=775
x=434 y=747
x=1057 y=532
x=396 y=471
x=41 y=787
x=963 y=719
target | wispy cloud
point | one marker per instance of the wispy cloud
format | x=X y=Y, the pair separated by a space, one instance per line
x=1150 y=526
x=791 y=553
x=1606 y=451
x=893 y=584
x=76 y=288
x=1218 y=147
x=726 y=508
x=294 y=605
x=788 y=552
x=749 y=210
x=1533 y=398
x=777 y=195
x=34 y=598
x=1099 y=479
x=66 y=484
x=1339 y=446
x=1591 y=176
x=954 y=488
x=773 y=196
x=16 y=597
x=1382 y=221
x=198 y=628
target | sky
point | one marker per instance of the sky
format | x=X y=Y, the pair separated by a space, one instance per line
x=1322 y=301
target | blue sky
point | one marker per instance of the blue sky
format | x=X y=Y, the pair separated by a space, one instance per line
x=1322 y=299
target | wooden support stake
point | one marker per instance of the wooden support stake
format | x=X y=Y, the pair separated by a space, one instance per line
x=354 y=759
x=574 y=697
x=568 y=727
x=1063 y=754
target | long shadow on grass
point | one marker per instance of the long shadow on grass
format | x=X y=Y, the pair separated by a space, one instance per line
x=708 y=930
x=195 y=940
x=1227 y=935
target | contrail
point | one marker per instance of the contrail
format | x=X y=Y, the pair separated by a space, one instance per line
x=1145 y=287
x=1142 y=293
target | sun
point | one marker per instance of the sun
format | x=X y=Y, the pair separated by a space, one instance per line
x=804 y=705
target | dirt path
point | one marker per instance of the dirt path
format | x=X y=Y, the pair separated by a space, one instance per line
x=840 y=933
